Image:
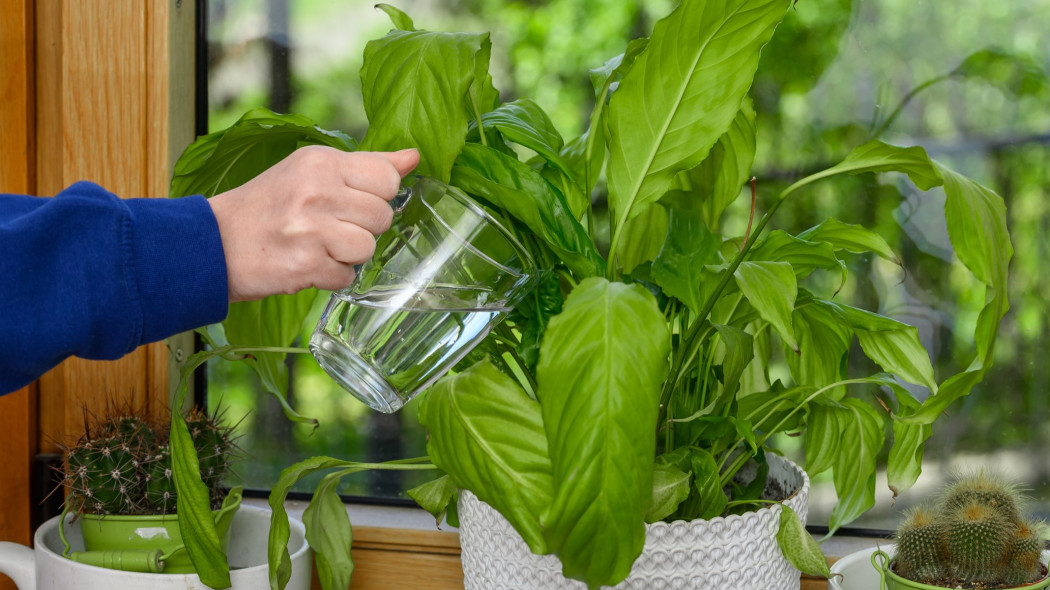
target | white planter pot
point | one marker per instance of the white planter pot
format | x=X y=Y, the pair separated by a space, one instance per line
x=45 y=569
x=735 y=552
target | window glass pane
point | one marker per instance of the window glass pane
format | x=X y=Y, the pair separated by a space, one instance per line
x=837 y=72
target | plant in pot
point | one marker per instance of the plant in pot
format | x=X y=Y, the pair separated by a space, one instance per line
x=629 y=396
x=120 y=485
x=976 y=535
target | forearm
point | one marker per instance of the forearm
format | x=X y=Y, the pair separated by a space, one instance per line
x=90 y=275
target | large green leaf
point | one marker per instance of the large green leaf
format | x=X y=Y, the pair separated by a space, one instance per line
x=716 y=182
x=904 y=464
x=681 y=95
x=822 y=437
x=527 y=196
x=854 y=470
x=601 y=365
x=488 y=436
x=771 y=288
x=823 y=345
x=415 y=87
x=523 y=122
x=798 y=546
x=849 y=237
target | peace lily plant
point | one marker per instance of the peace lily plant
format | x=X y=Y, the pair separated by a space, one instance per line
x=632 y=385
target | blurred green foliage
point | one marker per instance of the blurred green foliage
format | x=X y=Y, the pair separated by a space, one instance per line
x=834 y=75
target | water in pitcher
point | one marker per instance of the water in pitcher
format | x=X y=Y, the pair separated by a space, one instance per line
x=398 y=340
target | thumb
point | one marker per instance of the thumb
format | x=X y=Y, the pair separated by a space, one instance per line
x=404 y=161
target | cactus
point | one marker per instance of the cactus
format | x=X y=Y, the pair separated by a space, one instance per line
x=122 y=465
x=975 y=536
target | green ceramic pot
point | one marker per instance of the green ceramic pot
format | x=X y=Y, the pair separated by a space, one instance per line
x=891 y=581
x=118 y=541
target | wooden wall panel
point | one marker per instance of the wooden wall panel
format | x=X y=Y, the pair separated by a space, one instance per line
x=108 y=71
x=18 y=430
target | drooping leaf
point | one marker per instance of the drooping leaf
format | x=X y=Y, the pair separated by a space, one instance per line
x=823 y=431
x=601 y=364
x=678 y=268
x=488 y=436
x=401 y=21
x=435 y=496
x=804 y=256
x=904 y=464
x=850 y=237
x=854 y=470
x=893 y=345
x=800 y=549
x=528 y=197
x=682 y=94
x=483 y=95
x=329 y=534
x=823 y=345
x=771 y=289
x=670 y=487
x=525 y=123
x=716 y=182
x=415 y=87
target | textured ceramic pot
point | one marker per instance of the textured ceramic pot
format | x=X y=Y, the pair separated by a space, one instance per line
x=738 y=552
x=44 y=568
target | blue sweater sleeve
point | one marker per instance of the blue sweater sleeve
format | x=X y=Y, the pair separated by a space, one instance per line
x=85 y=273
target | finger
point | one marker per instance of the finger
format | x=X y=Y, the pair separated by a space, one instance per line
x=371 y=172
x=404 y=161
x=365 y=210
x=348 y=243
x=334 y=276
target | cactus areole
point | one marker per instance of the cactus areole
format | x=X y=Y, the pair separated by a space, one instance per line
x=975 y=536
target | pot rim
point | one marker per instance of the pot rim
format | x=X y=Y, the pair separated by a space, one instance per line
x=1025 y=586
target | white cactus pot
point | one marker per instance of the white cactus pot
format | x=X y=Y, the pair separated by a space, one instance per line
x=738 y=552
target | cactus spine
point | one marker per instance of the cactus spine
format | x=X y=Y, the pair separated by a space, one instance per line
x=976 y=534
x=122 y=465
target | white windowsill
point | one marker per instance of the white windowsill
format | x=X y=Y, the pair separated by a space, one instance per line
x=394 y=517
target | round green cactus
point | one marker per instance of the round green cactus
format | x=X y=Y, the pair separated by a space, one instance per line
x=974 y=535
x=122 y=465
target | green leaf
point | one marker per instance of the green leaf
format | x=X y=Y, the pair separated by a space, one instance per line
x=329 y=534
x=854 y=471
x=272 y=321
x=401 y=20
x=670 y=487
x=226 y=159
x=531 y=315
x=682 y=95
x=415 y=86
x=523 y=122
x=643 y=237
x=716 y=182
x=876 y=156
x=800 y=549
x=893 y=345
x=739 y=351
x=435 y=496
x=678 y=268
x=488 y=436
x=803 y=256
x=280 y=563
x=823 y=345
x=771 y=289
x=851 y=238
x=708 y=483
x=194 y=508
x=904 y=464
x=823 y=431
x=529 y=198
x=602 y=362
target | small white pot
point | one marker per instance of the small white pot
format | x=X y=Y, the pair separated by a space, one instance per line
x=737 y=552
x=45 y=569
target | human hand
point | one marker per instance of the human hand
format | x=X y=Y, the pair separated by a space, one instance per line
x=308 y=220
